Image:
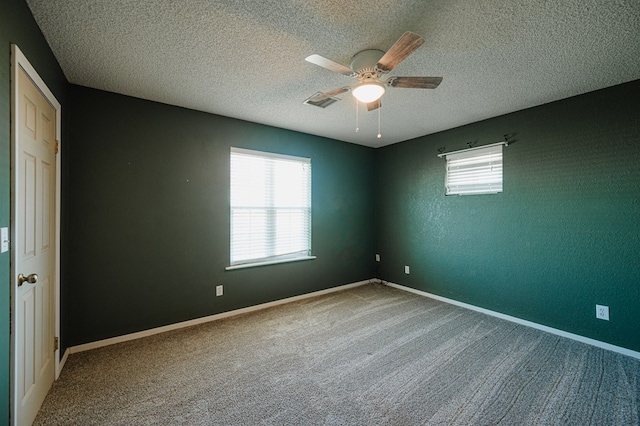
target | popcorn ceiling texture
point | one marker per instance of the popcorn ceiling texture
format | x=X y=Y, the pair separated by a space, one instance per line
x=246 y=59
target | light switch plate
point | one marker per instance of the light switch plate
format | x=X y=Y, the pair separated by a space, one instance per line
x=4 y=239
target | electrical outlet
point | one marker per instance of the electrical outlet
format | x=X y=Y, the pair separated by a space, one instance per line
x=219 y=290
x=406 y=269
x=602 y=312
x=377 y=258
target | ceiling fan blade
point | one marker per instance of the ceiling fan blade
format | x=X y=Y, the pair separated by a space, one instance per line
x=330 y=65
x=329 y=94
x=374 y=105
x=402 y=48
x=414 y=82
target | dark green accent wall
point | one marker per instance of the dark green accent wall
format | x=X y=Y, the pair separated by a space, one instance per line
x=17 y=26
x=149 y=208
x=562 y=237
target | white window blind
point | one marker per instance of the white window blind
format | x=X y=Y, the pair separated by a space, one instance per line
x=270 y=207
x=474 y=171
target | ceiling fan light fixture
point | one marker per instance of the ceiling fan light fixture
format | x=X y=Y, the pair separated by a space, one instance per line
x=368 y=91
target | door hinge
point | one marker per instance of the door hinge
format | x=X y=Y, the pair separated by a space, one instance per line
x=56 y=344
x=57 y=147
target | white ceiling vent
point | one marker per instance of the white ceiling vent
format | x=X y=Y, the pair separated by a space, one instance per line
x=322 y=103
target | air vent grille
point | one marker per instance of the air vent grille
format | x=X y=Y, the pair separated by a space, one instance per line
x=323 y=103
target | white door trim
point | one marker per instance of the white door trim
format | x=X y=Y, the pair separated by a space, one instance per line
x=19 y=61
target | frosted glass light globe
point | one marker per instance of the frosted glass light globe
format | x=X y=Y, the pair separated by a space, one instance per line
x=368 y=92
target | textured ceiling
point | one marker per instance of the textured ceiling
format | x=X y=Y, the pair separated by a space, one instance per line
x=245 y=59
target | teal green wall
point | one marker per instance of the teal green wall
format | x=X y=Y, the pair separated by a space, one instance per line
x=562 y=237
x=16 y=26
x=149 y=208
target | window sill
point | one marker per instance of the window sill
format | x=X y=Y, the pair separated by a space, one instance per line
x=269 y=262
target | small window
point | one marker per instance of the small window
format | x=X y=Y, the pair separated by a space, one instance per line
x=474 y=171
x=270 y=208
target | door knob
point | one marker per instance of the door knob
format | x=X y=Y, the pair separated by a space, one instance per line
x=31 y=279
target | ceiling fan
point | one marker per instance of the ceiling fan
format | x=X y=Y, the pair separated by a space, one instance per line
x=368 y=66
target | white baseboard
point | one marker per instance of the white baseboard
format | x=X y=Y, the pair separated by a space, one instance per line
x=63 y=360
x=579 y=338
x=176 y=326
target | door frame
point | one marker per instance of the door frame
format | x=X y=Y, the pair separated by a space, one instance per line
x=20 y=61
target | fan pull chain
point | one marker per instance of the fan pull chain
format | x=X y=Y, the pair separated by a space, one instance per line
x=379 y=134
x=357 y=108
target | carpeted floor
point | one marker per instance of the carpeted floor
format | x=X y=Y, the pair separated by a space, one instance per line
x=372 y=355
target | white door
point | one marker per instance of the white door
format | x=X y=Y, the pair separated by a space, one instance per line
x=34 y=248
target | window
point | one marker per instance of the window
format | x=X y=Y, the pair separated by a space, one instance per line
x=270 y=208
x=474 y=170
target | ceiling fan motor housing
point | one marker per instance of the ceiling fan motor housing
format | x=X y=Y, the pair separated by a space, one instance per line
x=364 y=63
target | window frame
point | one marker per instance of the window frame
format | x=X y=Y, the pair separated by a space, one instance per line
x=270 y=218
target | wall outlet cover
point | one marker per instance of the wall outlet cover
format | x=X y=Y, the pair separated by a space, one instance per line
x=219 y=290
x=406 y=269
x=602 y=312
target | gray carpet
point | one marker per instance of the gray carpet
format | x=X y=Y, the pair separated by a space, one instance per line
x=372 y=355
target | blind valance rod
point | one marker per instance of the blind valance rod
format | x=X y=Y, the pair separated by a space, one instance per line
x=505 y=143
